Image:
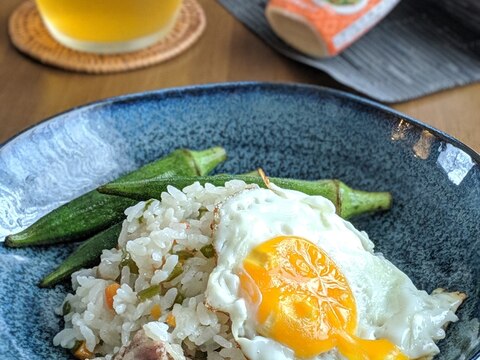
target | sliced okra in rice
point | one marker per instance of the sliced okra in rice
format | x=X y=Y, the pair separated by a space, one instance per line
x=202 y=211
x=208 y=251
x=184 y=254
x=179 y=298
x=66 y=308
x=149 y=292
x=148 y=203
x=141 y=219
x=200 y=355
x=176 y=272
x=128 y=261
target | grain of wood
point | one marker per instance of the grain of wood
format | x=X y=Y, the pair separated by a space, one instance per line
x=227 y=51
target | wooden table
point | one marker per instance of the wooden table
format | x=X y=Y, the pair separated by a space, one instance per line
x=227 y=51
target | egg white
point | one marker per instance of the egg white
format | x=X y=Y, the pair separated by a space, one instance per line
x=388 y=303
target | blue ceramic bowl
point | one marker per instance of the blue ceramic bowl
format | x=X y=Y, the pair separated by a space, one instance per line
x=432 y=233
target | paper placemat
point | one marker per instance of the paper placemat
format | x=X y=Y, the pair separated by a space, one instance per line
x=421 y=47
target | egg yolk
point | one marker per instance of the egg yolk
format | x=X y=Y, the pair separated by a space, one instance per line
x=303 y=301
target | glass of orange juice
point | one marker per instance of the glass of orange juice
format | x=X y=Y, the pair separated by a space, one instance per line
x=108 y=26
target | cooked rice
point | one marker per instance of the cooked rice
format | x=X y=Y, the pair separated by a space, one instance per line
x=156 y=235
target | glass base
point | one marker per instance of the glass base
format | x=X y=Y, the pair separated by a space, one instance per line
x=113 y=47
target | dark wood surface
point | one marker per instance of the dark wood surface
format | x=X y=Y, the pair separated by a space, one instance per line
x=30 y=91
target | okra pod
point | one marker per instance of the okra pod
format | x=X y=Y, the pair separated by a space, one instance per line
x=86 y=255
x=93 y=212
x=348 y=202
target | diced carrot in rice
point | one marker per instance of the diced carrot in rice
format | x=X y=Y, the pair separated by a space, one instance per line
x=110 y=292
x=156 y=311
x=83 y=353
x=171 y=320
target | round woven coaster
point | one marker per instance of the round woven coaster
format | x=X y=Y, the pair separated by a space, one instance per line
x=30 y=36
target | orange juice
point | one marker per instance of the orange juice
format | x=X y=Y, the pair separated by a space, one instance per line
x=108 y=25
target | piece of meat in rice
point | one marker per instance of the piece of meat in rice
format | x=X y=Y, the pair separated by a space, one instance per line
x=143 y=348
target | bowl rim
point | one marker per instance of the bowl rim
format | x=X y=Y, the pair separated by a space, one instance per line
x=257 y=85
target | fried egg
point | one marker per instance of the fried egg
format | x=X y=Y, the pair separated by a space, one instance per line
x=299 y=282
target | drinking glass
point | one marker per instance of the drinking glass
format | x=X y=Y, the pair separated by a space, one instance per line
x=108 y=26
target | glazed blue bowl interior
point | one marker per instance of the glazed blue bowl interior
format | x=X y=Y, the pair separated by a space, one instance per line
x=432 y=232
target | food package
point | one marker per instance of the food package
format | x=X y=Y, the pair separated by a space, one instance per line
x=323 y=28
